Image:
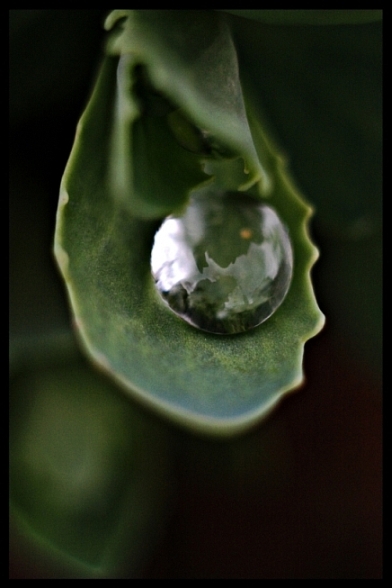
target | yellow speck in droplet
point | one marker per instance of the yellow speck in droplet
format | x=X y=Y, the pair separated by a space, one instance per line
x=246 y=233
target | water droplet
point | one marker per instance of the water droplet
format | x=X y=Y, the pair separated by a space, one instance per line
x=225 y=265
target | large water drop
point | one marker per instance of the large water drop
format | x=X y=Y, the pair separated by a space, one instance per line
x=225 y=265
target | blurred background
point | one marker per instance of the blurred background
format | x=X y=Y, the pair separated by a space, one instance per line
x=101 y=488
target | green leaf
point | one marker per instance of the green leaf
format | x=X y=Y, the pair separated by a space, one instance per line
x=192 y=62
x=208 y=382
x=310 y=17
x=88 y=472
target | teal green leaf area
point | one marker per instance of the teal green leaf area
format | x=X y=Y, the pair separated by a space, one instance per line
x=211 y=383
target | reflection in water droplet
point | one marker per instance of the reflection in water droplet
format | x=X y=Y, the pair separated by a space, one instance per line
x=225 y=265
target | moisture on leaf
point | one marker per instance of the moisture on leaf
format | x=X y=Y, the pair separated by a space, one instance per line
x=225 y=265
